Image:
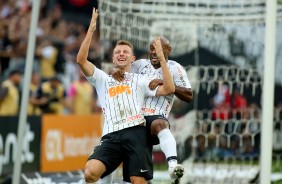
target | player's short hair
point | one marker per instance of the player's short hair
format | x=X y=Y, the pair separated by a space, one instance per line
x=125 y=42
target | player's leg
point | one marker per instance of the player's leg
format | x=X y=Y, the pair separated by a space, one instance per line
x=93 y=170
x=137 y=163
x=137 y=180
x=160 y=128
x=106 y=157
x=107 y=179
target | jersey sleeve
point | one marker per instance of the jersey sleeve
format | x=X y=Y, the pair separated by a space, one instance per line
x=180 y=76
x=98 y=77
x=136 y=66
x=145 y=84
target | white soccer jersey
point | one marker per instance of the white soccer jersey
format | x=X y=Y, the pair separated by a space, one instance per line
x=160 y=105
x=121 y=102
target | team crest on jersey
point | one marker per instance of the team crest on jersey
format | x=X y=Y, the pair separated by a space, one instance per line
x=128 y=77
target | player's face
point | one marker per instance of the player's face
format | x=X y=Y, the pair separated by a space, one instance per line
x=123 y=56
x=153 y=55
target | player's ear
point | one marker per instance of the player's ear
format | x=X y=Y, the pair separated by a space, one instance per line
x=168 y=50
x=133 y=58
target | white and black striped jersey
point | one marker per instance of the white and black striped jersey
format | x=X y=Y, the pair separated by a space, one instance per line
x=121 y=102
x=160 y=105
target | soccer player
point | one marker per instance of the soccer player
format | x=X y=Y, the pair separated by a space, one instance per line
x=124 y=136
x=156 y=109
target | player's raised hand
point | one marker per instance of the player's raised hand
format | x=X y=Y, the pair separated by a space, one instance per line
x=159 y=49
x=92 y=26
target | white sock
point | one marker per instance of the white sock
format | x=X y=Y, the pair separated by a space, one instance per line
x=107 y=179
x=168 y=145
x=172 y=163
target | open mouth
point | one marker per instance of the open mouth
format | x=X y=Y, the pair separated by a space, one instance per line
x=121 y=59
x=154 y=58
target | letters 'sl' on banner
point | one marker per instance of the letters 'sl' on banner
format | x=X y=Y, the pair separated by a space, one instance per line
x=67 y=141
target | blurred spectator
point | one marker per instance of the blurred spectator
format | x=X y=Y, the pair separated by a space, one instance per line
x=80 y=96
x=78 y=10
x=222 y=103
x=239 y=101
x=48 y=57
x=9 y=94
x=7 y=8
x=18 y=27
x=5 y=47
x=50 y=97
x=34 y=85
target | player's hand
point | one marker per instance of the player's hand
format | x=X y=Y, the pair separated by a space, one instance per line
x=159 y=49
x=154 y=83
x=93 y=22
x=118 y=74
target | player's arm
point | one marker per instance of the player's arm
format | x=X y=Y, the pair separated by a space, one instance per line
x=86 y=66
x=185 y=94
x=183 y=89
x=168 y=84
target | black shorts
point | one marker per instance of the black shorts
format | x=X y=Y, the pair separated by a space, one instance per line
x=130 y=146
x=149 y=119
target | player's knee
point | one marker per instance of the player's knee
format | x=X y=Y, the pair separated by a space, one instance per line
x=158 y=125
x=137 y=180
x=90 y=176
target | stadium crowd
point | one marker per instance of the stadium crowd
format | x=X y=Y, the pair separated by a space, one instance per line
x=56 y=86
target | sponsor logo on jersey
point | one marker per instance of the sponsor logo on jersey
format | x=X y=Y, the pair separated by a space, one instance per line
x=135 y=117
x=117 y=90
x=119 y=122
x=148 y=110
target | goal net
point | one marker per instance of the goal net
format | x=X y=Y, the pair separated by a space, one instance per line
x=232 y=29
x=212 y=139
x=221 y=143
